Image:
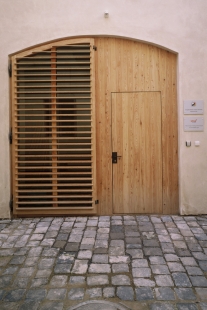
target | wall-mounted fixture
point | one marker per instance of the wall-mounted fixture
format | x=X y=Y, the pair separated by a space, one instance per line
x=188 y=143
x=106 y=14
x=197 y=143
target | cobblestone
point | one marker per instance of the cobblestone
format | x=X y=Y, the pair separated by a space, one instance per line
x=49 y=263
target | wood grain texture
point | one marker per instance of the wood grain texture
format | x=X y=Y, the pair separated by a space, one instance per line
x=117 y=66
x=129 y=66
x=136 y=137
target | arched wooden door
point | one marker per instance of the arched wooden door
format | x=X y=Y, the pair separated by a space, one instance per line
x=65 y=128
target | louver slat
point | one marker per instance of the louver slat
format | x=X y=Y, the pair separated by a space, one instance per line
x=54 y=138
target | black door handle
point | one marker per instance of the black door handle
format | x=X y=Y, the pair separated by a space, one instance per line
x=114 y=157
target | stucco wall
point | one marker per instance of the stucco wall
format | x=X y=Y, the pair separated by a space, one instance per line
x=178 y=25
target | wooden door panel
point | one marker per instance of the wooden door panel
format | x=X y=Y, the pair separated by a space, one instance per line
x=136 y=137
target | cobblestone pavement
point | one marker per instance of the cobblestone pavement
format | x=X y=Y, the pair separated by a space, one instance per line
x=141 y=262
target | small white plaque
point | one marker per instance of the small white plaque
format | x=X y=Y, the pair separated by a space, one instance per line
x=193 y=106
x=193 y=123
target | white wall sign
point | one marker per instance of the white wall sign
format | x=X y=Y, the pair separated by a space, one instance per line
x=193 y=106
x=193 y=123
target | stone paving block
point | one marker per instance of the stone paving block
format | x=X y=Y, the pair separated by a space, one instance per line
x=100 y=251
x=194 y=247
x=39 y=282
x=200 y=256
x=20 y=282
x=164 y=293
x=76 y=294
x=92 y=222
x=101 y=243
x=144 y=293
x=167 y=248
x=80 y=266
x=181 y=279
x=129 y=233
x=164 y=280
x=185 y=293
x=84 y=254
x=203 y=305
x=117 y=243
x=139 y=263
x=164 y=233
x=171 y=258
x=141 y=282
x=202 y=292
x=152 y=251
x=103 y=230
x=51 y=305
x=62 y=268
x=100 y=268
x=89 y=234
x=72 y=247
x=59 y=244
x=162 y=306
x=109 y=292
x=31 y=261
x=49 y=242
x=97 y=280
x=160 y=269
x=174 y=266
x=198 y=281
x=100 y=258
x=65 y=258
x=56 y=294
x=77 y=280
x=188 y=306
x=35 y=252
x=5 y=281
x=46 y=263
x=14 y=295
x=49 y=252
x=194 y=271
x=17 y=260
x=120 y=280
x=75 y=238
x=117 y=236
x=104 y=224
x=188 y=261
x=141 y=272
x=182 y=252
x=37 y=237
x=43 y=273
x=36 y=294
x=157 y=260
x=94 y=292
x=151 y=243
x=125 y=293
x=59 y=281
x=203 y=265
x=117 y=251
x=10 y=270
x=26 y=272
x=135 y=253
x=31 y=305
x=164 y=238
x=120 y=268
x=102 y=236
x=119 y=259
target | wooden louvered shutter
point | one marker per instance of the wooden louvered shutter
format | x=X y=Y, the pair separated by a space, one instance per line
x=53 y=124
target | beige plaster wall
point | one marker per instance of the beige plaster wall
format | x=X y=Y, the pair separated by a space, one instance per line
x=178 y=25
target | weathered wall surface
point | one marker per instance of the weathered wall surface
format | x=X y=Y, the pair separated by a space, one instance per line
x=178 y=25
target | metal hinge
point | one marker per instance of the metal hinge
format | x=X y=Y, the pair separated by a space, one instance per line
x=95 y=48
x=11 y=203
x=10 y=69
x=96 y=202
x=10 y=137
